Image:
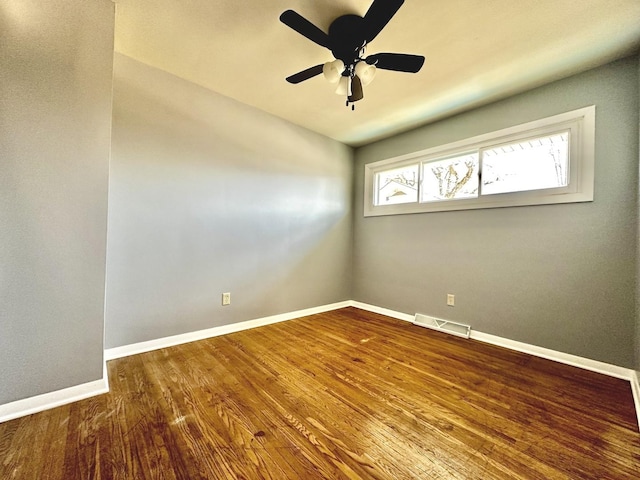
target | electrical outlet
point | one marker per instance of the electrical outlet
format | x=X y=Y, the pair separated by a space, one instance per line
x=226 y=299
x=451 y=299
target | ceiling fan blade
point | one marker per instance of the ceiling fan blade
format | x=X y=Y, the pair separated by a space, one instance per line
x=400 y=62
x=305 y=27
x=378 y=15
x=305 y=74
x=356 y=90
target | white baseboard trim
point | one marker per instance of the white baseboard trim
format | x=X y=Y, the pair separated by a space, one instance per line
x=39 y=403
x=148 y=346
x=382 y=311
x=105 y=373
x=566 y=358
x=46 y=401
x=635 y=389
x=560 y=357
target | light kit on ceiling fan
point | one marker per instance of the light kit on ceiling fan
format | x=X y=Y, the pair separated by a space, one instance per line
x=365 y=72
x=332 y=71
x=347 y=39
x=344 y=86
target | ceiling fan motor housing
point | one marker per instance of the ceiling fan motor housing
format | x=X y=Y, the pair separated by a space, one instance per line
x=347 y=37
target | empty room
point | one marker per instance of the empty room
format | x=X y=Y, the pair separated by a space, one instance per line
x=313 y=239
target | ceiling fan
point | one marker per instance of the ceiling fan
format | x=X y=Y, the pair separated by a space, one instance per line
x=347 y=39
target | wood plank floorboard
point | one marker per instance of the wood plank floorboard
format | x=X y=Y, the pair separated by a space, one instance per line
x=347 y=394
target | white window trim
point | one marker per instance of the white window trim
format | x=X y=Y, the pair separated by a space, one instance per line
x=581 y=124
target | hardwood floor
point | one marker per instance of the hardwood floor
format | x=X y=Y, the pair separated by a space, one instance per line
x=341 y=395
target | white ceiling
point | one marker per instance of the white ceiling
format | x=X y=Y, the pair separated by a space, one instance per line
x=476 y=51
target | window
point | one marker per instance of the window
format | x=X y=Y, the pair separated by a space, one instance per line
x=542 y=162
x=450 y=178
x=534 y=164
x=399 y=185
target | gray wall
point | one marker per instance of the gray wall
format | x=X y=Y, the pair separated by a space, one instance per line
x=557 y=276
x=637 y=367
x=208 y=196
x=55 y=120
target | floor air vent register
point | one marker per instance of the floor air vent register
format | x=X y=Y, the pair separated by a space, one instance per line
x=447 y=326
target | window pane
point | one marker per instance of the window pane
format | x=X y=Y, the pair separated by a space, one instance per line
x=452 y=178
x=399 y=185
x=530 y=165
